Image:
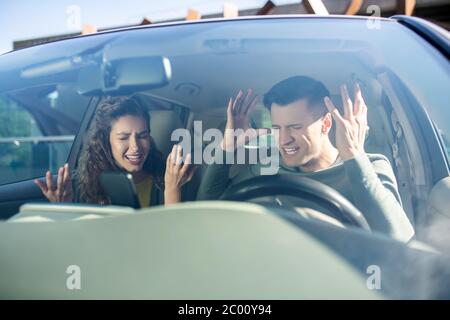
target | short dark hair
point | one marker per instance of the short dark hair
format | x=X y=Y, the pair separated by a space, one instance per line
x=296 y=88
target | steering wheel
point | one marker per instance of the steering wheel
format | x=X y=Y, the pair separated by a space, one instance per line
x=298 y=187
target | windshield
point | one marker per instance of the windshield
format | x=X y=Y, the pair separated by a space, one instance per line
x=206 y=57
x=206 y=64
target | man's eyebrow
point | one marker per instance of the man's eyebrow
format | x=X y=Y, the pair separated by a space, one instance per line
x=289 y=125
x=294 y=124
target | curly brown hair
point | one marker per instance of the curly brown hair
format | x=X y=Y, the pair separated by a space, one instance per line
x=96 y=156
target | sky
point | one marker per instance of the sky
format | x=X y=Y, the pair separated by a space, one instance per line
x=28 y=19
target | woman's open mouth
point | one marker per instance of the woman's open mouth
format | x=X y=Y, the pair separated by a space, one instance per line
x=134 y=159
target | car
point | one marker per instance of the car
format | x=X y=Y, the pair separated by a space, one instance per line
x=238 y=247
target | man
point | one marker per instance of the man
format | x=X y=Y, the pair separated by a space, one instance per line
x=303 y=113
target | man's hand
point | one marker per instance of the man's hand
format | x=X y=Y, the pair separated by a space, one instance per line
x=352 y=127
x=238 y=114
x=63 y=191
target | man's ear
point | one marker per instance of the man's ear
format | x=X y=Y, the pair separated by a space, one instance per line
x=327 y=123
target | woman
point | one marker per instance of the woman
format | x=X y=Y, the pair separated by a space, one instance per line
x=120 y=140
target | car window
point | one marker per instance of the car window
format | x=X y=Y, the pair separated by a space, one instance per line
x=38 y=128
x=16 y=158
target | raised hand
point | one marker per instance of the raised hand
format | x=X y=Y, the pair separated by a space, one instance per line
x=63 y=191
x=352 y=127
x=178 y=173
x=238 y=115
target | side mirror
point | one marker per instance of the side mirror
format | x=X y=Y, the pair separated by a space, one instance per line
x=124 y=76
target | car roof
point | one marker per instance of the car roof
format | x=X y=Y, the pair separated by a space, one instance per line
x=242 y=18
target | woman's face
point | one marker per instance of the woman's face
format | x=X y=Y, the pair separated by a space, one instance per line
x=130 y=142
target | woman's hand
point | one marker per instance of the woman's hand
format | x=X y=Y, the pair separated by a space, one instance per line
x=352 y=127
x=63 y=191
x=178 y=173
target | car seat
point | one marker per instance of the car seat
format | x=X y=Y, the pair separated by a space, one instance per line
x=162 y=124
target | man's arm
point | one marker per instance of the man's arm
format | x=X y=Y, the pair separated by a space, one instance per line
x=373 y=186
x=375 y=194
x=216 y=176
x=214 y=182
x=216 y=179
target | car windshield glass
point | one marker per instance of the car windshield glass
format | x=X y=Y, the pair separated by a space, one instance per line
x=211 y=62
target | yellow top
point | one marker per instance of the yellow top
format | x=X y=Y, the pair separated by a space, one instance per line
x=144 y=191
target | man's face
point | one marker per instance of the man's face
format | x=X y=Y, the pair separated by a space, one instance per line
x=301 y=132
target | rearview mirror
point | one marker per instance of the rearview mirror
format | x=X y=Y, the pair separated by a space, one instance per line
x=124 y=76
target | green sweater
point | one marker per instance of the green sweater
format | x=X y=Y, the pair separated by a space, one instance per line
x=367 y=181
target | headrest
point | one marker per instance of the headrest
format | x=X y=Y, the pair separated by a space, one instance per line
x=162 y=124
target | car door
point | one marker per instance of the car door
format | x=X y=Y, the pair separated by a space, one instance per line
x=427 y=108
x=39 y=127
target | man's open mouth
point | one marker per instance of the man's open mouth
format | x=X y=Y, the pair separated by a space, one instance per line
x=291 y=150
